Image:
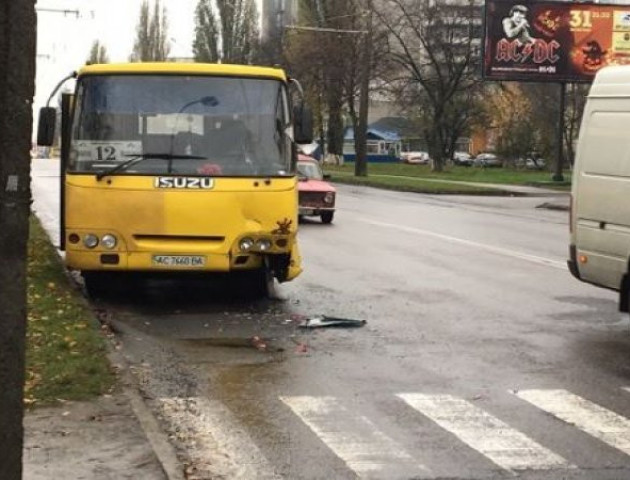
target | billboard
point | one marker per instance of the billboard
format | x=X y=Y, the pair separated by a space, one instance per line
x=553 y=41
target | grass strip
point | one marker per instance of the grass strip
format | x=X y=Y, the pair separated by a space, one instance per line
x=66 y=354
x=417 y=185
x=507 y=176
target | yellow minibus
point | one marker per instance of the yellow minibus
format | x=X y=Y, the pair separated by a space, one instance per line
x=176 y=167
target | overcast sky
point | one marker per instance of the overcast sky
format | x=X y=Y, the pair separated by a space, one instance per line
x=64 y=40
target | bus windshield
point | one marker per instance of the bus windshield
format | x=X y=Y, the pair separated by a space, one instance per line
x=181 y=125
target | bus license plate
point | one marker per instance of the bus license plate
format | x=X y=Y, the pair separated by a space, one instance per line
x=187 y=261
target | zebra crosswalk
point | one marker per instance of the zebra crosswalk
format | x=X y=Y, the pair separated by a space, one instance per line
x=352 y=437
x=597 y=421
x=370 y=453
x=503 y=445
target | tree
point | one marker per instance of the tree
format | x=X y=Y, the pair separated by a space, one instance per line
x=545 y=106
x=576 y=101
x=226 y=31
x=367 y=64
x=206 y=42
x=98 y=53
x=326 y=56
x=435 y=48
x=17 y=74
x=511 y=113
x=151 y=43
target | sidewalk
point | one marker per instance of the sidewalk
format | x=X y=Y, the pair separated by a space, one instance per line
x=96 y=440
x=110 y=438
x=113 y=437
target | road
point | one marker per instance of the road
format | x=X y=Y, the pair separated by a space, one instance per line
x=481 y=357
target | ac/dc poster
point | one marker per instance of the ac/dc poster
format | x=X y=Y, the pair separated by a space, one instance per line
x=553 y=41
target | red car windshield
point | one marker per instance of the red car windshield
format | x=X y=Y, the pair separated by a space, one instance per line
x=310 y=170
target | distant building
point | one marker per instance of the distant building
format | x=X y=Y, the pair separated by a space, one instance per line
x=276 y=14
x=382 y=145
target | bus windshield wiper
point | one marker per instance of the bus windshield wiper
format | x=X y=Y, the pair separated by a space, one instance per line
x=144 y=156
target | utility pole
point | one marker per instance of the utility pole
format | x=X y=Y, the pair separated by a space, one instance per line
x=361 y=159
x=17 y=87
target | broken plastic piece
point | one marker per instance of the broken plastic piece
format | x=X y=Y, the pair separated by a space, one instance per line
x=322 y=321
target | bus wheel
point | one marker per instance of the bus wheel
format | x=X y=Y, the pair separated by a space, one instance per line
x=327 y=217
x=97 y=284
x=260 y=283
x=266 y=283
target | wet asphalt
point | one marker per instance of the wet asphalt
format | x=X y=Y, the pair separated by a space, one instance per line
x=468 y=302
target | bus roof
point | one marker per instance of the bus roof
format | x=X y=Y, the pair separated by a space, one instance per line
x=216 y=69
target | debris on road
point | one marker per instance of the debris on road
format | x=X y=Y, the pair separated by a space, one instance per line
x=259 y=344
x=322 y=321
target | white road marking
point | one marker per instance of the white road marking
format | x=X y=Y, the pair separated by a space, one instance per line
x=595 y=420
x=216 y=444
x=483 y=246
x=503 y=445
x=352 y=437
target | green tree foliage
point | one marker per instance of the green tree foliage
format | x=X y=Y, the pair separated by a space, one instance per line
x=151 y=43
x=98 y=53
x=226 y=31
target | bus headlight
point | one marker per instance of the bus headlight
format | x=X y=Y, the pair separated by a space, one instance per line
x=263 y=244
x=109 y=241
x=90 y=240
x=329 y=198
x=246 y=244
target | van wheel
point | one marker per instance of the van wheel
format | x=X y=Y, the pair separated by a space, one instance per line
x=624 y=294
x=327 y=217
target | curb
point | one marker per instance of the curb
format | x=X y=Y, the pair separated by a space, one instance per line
x=164 y=451
x=158 y=440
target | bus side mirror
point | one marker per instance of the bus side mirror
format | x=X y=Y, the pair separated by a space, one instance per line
x=46 y=126
x=303 y=124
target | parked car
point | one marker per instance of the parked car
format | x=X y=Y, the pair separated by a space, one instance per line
x=531 y=163
x=462 y=159
x=416 y=158
x=316 y=195
x=487 y=160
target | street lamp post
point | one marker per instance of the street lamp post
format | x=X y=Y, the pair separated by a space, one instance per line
x=558 y=175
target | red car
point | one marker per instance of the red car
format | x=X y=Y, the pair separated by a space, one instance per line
x=317 y=196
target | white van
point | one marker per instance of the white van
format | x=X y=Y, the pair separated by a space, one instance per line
x=600 y=203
